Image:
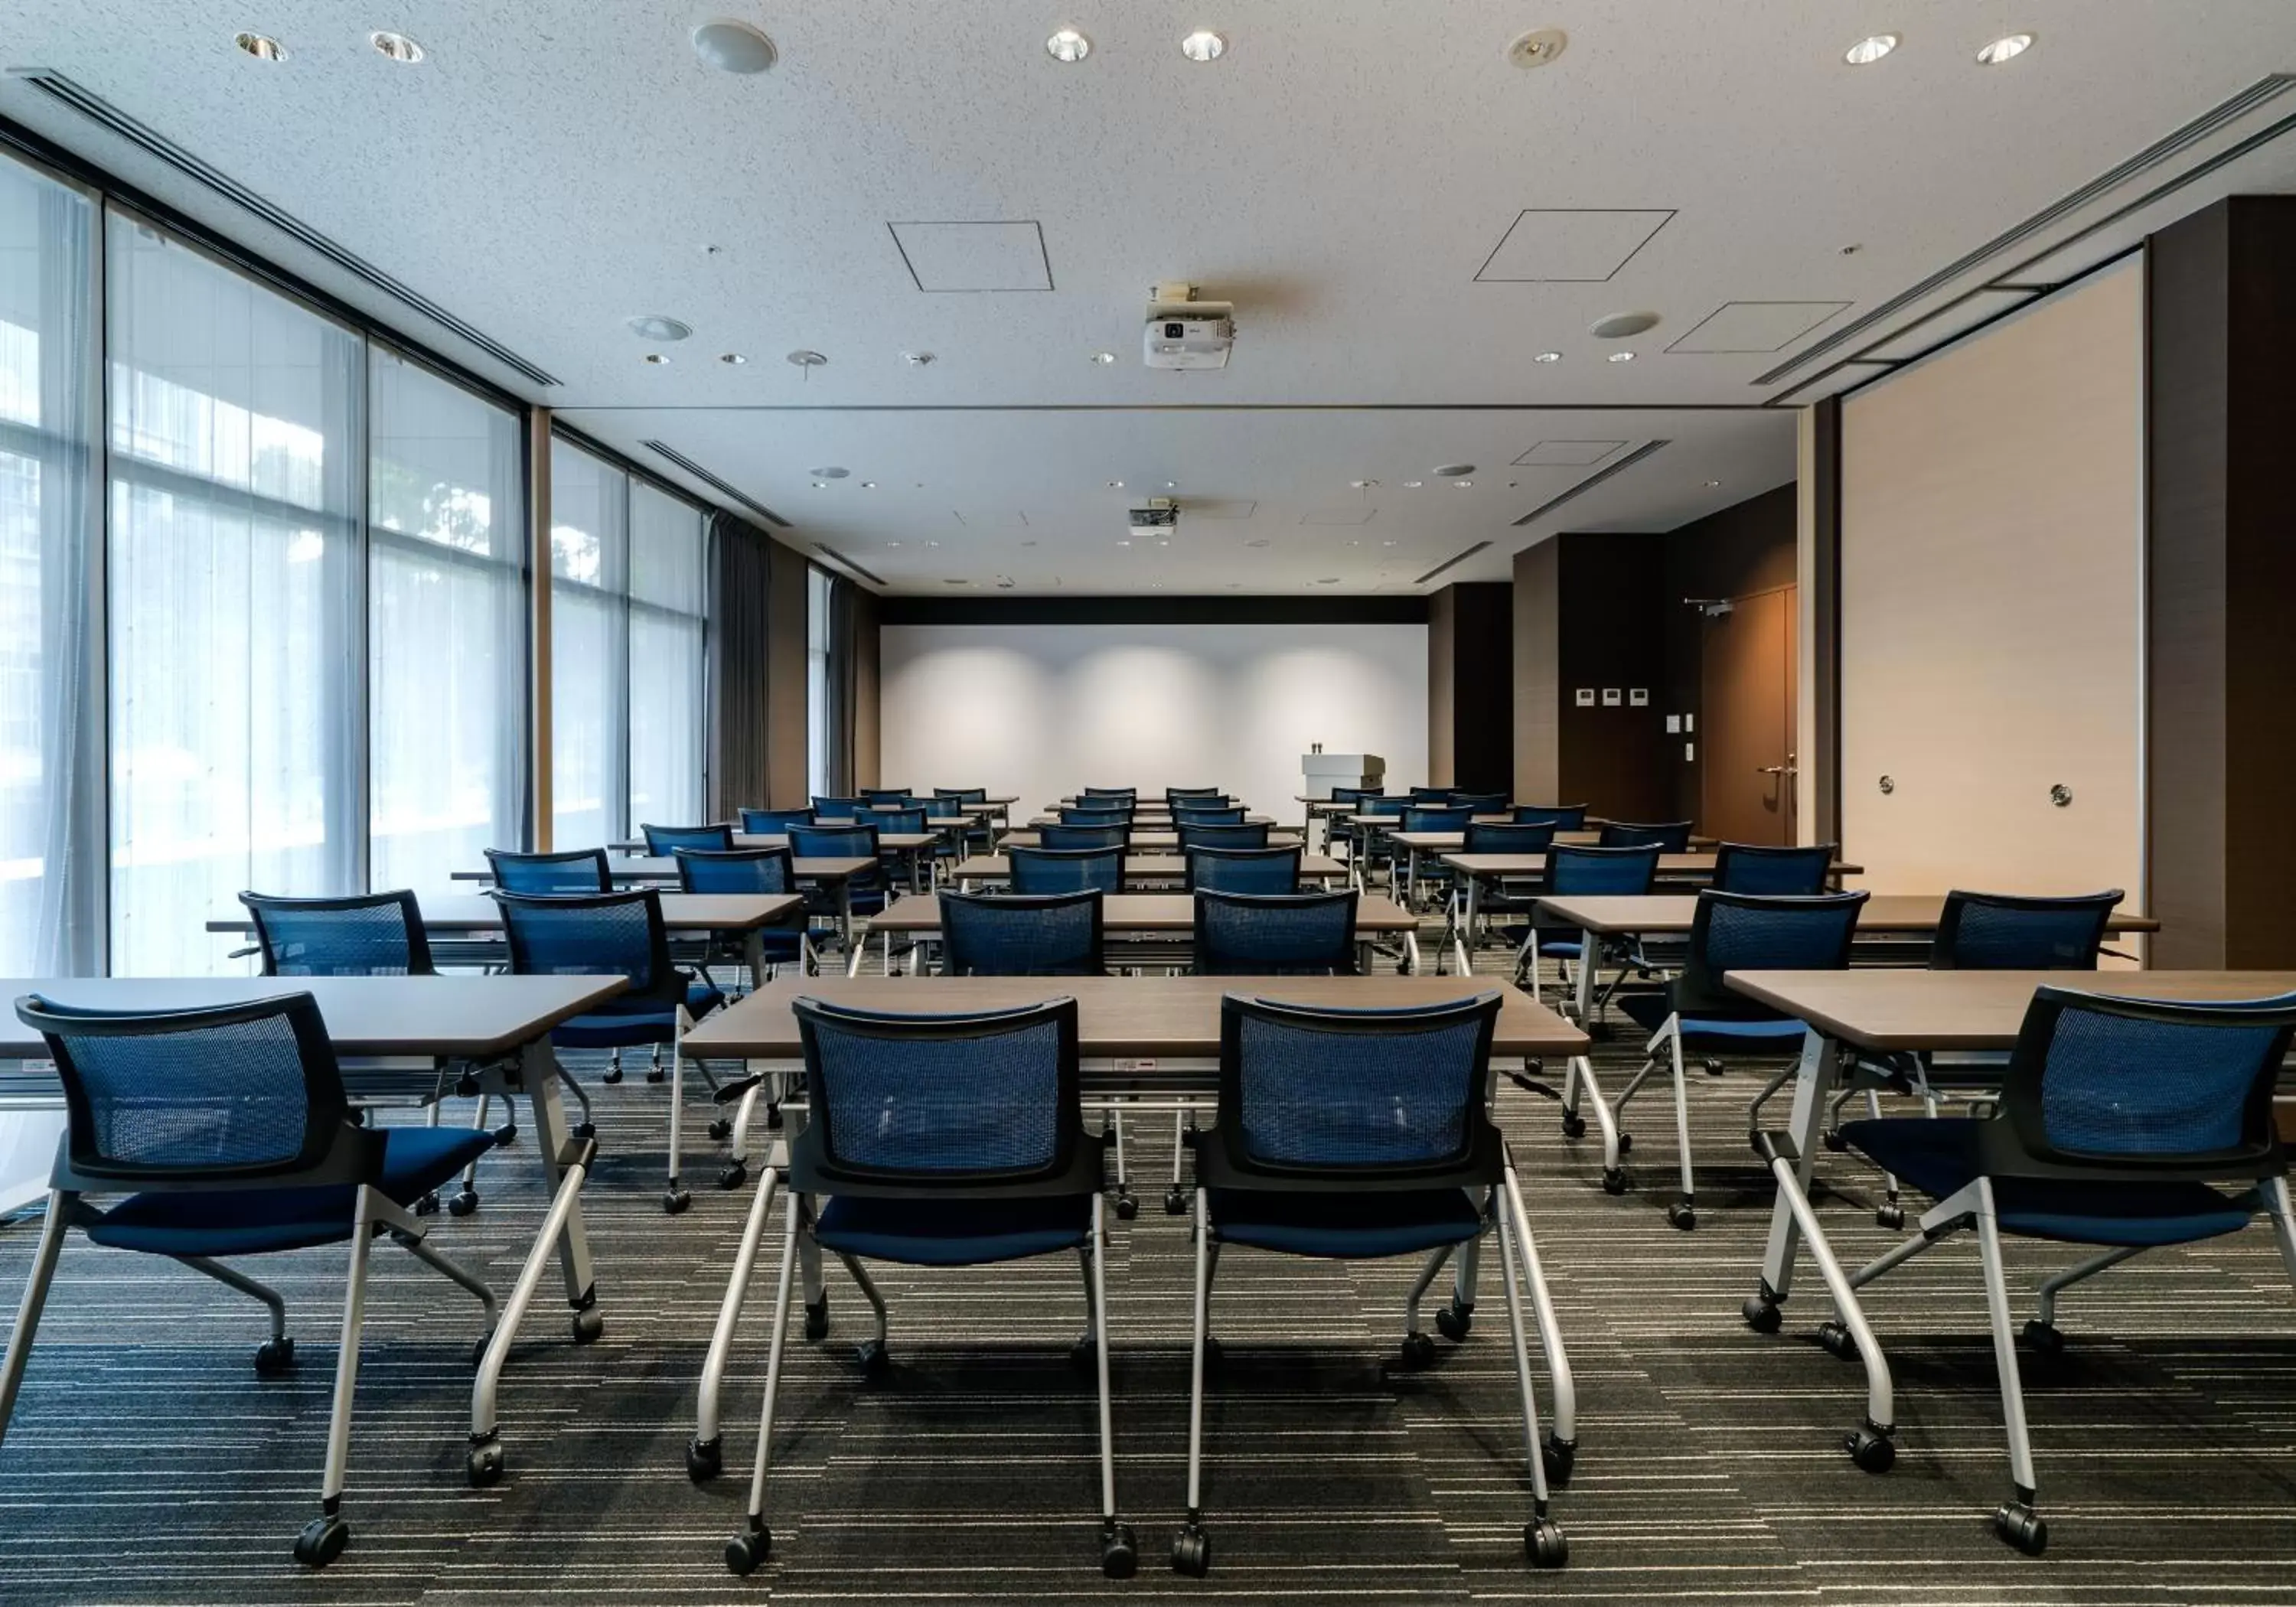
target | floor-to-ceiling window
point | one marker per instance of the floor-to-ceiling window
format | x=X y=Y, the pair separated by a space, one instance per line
x=667 y=538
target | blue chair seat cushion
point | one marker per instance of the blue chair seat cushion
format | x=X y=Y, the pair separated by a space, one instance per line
x=645 y=1022
x=1362 y=1225
x=1649 y=1011
x=939 y=1231
x=242 y=1222
x=1940 y=1157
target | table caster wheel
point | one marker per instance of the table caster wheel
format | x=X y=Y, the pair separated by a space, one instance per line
x=1833 y=1140
x=589 y=1323
x=426 y=1206
x=1614 y=1180
x=1836 y=1339
x=1119 y=1551
x=655 y=1074
x=1762 y=1314
x=877 y=1361
x=1454 y=1321
x=464 y=1203
x=1574 y=1126
x=1870 y=1450
x=704 y=1460
x=733 y=1174
x=613 y=1075
x=2042 y=1339
x=674 y=1200
x=1545 y=1545
x=1191 y=1551
x=1127 y=1206
x=1176 y=1203
x=322 y=1541
x=816 y=1318
x=1713 y=1067
x=721 y=1128
x=1418 y=1351
x=1889 y=1216
x=744 y=1553
x=2018 y=1523
x=484 y=1465
x=273 y=1358
x=1560 y=1455
x=1681 y=1215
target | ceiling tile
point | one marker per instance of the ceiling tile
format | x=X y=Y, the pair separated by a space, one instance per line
x=1755 y=326
x=1546 y=246
x=1354 y=513
x=1567 y=454
x=972 y=257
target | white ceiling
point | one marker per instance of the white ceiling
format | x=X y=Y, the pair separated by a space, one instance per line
x=1401 y=218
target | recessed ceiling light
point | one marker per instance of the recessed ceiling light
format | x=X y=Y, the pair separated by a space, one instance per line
x=1116 y=485
x=1387 y=544
x=932 y=543
x=1711 y=484
x=1124 y=541
x=1548 y=357
x=1870 y=50
x=1068 y=46
x=917 y=359
x=807 y=359
x=1204 y=45
x=1354 y=543
x=1413 y=485
x=1852 y=249
x=660 y=360
x=1328 y=580
x=731 y=47
x=397 y=47
x=821 y=485
x=2006 y=48
x=1362 y=485
x=868 y=485
x=1621 y=356
x=1171 y=485
x=832 y=473
x=263 y=48
x=658 y=326
x=1538 y=47
x=892 y=544
x=732 y=359
x=1463 y=484
x=1104 y=357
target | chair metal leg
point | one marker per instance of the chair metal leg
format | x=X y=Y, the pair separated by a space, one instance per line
x=472 y=1284
x=703 y=1454
x=1542 y=1541
x=1119 y=1551
x=2015 y=1521
x=1191 y=1546
x=322 y=1539
x=2046 y=1317
x=1428 y=1271
x=755 y=1544
x=675 y=1199
x=485 y=1462
x=1683 y=1213
x=2276 y=1205
x=868 y=1287
x=231 y=1277
x=60 y=1209
x=1562 y=1443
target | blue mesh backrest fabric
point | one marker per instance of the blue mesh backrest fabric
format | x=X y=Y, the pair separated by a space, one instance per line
x=2117 y=1085
x=769 y=823
x=1315 y=1097
x=1184 y=815
x=1383 y=806
x=548 y=873
x=207 y=1096
x=1572 y=871
x=1081 y=837
x=1126 y=793
x=1090 y=815
x=1440 y=795
x=736 y=872
x=1670 y=837
x=669 y=839
x=1417 y=819
x=1035 y=871
x=1224 y=837
x=1486 y=836
x=900 y=820
x=944 y=1106
x=987 y=937
x=943 y=808
x=1479 y=803
x=1310 y=935
x=365 y=941
x=833 y=842
x=1993 y=937
x=963 y=795
x=1571 y=819
x=1788 y=872
x=599 y=940
x=838 y=808
x=1790 y=938
x=1273 y=871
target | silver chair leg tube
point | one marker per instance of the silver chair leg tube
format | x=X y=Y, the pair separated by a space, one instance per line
x=2276 y=1205
x=346 y=1360
x=1521 y=1367
x=672 y=1200
x=1542 y=1305
x=729 y=1313
x=1200 y=1319
x=1419 y=1287
x=1097 y=1314
x=1880 y=1401
x=474 y=1286
x=563 y=1205
x=2005 y=1343
x=868 y=1287
x=61 y=1206
x=773 y=1369
x=2050 y=1288
x=231 y=1277
x=1682 y=1124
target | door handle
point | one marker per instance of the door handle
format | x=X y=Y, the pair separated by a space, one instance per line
x=1774 y=769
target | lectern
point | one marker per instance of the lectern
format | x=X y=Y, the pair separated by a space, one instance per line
x=1325 y=770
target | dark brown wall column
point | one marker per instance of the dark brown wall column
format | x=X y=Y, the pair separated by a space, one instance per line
x=1470 y=687
x=1538 y=673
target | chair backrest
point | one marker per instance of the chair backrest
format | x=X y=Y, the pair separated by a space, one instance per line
x=1494 y=837
x=371 y=935
x=1114 y=812
x=1276 y=934
x=734 y=871
x=1179 y=795
x=575 y=871
x=1244 y=870
x=1749 y=931
x=899 y=820
x=216 y=1095
x=769 y=823
x=1431 y=795
x=987 y=1098
x=1438 y=818
x=1356 y=1095
x=595 y=935
x=1254 y=836
x=2112 y=1085
x=1021 y=934
x=1479 y=803
x=839 y=808
x=938 y=807
x=1562 y=817
x=963 y=795
x=1188 y=815
x=661 y=842
x=2004 y=931
x=1352 y=796
x=1066 y=870
x=1596 y=872
x=1667 y=837
x=1743 y=867
x=1084 y=837
x=841 y=840
x=1374 y=803
x=883 y=795
x=1127 y=794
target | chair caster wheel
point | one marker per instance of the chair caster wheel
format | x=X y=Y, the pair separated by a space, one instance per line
x=1762 y=1314
x=2022 y=1527
x=426 y=1206
x=674 y=1200
x=816 y=1318
x=583 y=1129
x=733 y=1174
x=1215 y=1354
x=721 y=1128
x=1119 y=1551
x=506 y=1135
x=1454 y=1321
x=2043 y=1339
x=1559 y=1456
x=275 y=1356
x=478 y=1348
x=1625 y=1143
x=589 y=1324
x=464 y=1203
x=1614 y=1180
x=1544 y=1543
x=1682 y=1216
x=655 y=1074
x=877 y=1361
x=1176 y=1203
x=1833 y=1140
x=1870 y=1450
x=704 y=1460
x=613 y=1075
x=1889 y=1216
x=322 y=1541
x=1191 y=1551
x=1418 y=1351
x=744 y=1553
x=1713 y=1067
x=1574 y=1126
x=1837 y=1340
x=774 y=1117
x=1127 y=1206
x=484 y=1465
x=1083 y=1353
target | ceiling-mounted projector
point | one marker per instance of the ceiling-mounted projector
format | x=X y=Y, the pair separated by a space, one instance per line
x=1184 y=333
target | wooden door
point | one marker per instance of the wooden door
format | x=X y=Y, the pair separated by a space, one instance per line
x=1747 y=693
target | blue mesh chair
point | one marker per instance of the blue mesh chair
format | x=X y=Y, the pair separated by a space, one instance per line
x=1729 y=932
x=1111 y=814
x=1338 y=831
x=1562 y=817
x=751 y=871
x=1254 y=836
x=1123 y=794
x=1435 y=817
x=1429 y=876
x=956 y=831
x=662 y=842
x=1437 y=796
x=883 y=795
x=868 y=889
x=1191 y=796
x=575 y=871
x=895 y=820
x=229 y=1133
x=1481 y=803
x=774 y=823
x=1185 y=814
x=1357 y=1135
x=617 y=934
x=1667 y=837
x=1500 y=837
x=1276 y=934
x=1740 y=867
x=941 y=1141
x=1084 y=837
x=1498 y=895
x=2124 y=1125
x=1244 y=870
x=1066 y=870
x=839 y=808
x=976 y=795
x=1374 y=850
x=1585 y=872
x=1021 y=934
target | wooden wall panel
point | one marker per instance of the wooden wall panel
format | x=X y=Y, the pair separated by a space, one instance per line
x=1747 y=547
x=1613 y=759
x=786 y=711
x=1536 y=646
x=1442 y=663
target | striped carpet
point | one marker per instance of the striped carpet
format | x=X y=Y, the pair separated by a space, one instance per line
x=149 y=1464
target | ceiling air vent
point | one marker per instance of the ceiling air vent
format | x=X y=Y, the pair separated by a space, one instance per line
x=670 y=453
x=1590 y=482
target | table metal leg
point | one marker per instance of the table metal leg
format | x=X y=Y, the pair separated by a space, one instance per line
x=538 y=1071
x=1813 y=1086
x=1590 y=950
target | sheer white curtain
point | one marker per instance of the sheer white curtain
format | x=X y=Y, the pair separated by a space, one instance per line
x=589 y=632
x=668 y=540
x=236 y=599
x=51 y=797
x=446 y=626
x=817 y=681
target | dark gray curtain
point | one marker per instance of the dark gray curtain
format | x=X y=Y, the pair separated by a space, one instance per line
x=842 y=662
x=740 y=588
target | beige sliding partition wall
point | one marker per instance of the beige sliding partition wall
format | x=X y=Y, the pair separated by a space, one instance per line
x=1991 y=576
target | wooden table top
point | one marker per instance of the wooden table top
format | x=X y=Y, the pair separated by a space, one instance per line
x=1141 y=815
x=1146 y=840
x=446 y=1015
x=639 y=868
x=1147 y=1016
x=1671 y=866
x=1450 y=842
x=1888 y=1010
x=902 y=840
x=680 y=912
x=1145 y=867
x=1141 y=912
x=1671 y=913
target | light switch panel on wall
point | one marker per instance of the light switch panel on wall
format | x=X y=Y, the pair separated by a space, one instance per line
x=1689 y=753
x=1638 y=697
x=1610 y=697
x=1585 y=699
x=1673 y=724
x=1690 y=722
